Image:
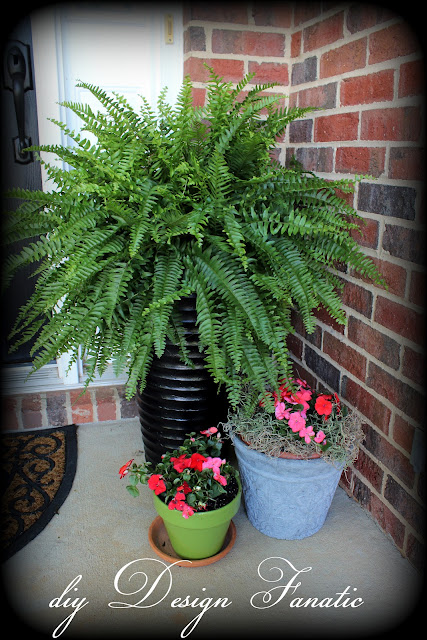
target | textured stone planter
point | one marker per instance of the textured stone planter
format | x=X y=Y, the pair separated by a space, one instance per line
x=284 y=498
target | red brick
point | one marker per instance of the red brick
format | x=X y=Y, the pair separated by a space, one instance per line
x=218 y=12
x=296 y=40
x=272 y=15
x=369 y=469
x=403 y=433
x=347 y=357
x=375 y=87
x=394 y=275
x=405 y=504
x=415 y=552
x=399 y=393
x=412 y=78
x=402 y=123
x=305 y=11
x=397 y=317
x=362 y=16
x=31 y=411
x=387 y=520
x=9 y=414
x=368 y=405
x=106 y=404
x=230 y=70
x=343 y=59
x=199 y=96
x=369 y=236
x=81 y=407
x=342 y=126
x=392 y=42
x=325 y=32
x=322 y=315
x=269 y=72
x=406 y=163
x=248 y=42
x=377 y=344
x=360 y=160
x=417 y=288
x=358 y=298
x=413 y=366
x=294 y=345
x=395 y=461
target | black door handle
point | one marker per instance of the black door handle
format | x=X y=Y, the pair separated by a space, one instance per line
x=18 y=80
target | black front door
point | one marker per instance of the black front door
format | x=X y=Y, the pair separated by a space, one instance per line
x=18 y=128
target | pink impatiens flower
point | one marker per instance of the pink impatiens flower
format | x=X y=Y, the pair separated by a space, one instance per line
x=296 y=421
x=281 y=411
x=209 y=432
x=219 y=478
x=306 y=433
x=319 y=437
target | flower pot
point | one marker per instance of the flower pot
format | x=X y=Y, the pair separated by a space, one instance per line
x=201 y=535
x=178 y=398
x=285 y=498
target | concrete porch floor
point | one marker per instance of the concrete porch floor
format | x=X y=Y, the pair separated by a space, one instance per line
x=97 y=545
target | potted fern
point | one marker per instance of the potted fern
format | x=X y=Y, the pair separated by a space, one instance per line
x=183 y=206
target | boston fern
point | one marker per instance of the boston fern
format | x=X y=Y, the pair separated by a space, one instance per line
x=156 y=206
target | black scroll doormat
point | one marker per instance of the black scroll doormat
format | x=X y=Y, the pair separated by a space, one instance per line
x=37 y=472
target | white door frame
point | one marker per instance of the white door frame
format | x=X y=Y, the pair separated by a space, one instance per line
x=49 y=30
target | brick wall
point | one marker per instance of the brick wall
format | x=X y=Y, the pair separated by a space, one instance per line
x=68 y=406
x=362 y=66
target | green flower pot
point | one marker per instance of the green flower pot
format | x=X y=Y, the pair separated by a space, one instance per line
x=202 y=534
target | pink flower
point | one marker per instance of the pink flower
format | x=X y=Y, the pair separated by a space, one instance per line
x=219 y=478
x=187 y=510
x=156 y=483
x=319 y=437
x=123 y=471
x=306 y=433
x=281 y=411
x=209 y=431
x=296 y=421
x=213 y=463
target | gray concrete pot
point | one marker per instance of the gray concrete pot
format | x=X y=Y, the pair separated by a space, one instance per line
x=285 y=499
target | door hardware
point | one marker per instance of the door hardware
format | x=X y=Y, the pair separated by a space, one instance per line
x=17 y=78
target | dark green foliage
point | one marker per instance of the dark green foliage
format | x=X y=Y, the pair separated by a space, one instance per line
x=186 y=201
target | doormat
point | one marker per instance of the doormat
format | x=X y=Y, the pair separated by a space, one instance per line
x=37 y=472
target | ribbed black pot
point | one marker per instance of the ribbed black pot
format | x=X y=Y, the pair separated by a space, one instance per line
x=177 y=398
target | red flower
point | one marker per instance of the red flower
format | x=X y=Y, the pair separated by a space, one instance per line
x=196 y=461
x=185 y=487
x=181 y=463
x=337 y=400
x=156 y=483
x=125 y=469
x=323 y=405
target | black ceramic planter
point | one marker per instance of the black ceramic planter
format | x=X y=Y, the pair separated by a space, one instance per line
x=177 y=398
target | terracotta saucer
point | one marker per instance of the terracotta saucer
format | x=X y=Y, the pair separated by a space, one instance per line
x=160 y=543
